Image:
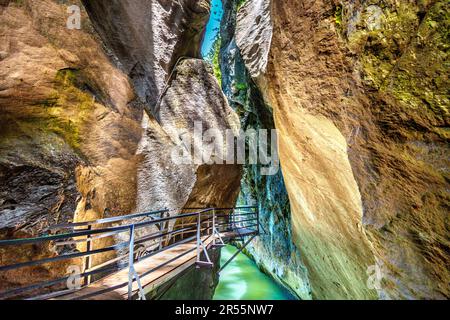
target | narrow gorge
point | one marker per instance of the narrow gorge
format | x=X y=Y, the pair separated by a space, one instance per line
x=351 y=200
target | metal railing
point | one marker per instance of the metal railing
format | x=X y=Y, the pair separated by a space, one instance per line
x=157 y=232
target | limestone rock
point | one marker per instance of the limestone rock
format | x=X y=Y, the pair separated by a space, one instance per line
x=360 y=101
x=274 y=250
x=192 y=91
x=193 y=95
x=254 y=34
x=75 y=141
x=67 y=118
x=148 y=37
x=52 y=99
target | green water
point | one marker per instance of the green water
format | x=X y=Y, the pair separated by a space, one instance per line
x=242 y=280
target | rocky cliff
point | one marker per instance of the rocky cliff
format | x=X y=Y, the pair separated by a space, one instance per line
x=89 y=117
x=359 y=92
x=273 y=251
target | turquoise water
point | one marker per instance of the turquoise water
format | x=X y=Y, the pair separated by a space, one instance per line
x=213 y=27
x=242 y=280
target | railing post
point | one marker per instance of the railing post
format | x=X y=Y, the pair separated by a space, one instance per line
x=131 y=263
x=231 y=220
x=182 y=228
x=161 y=231
x=88 y=260
x=208 y=230
x=214 y=230
x=257 y=218
x=198 y=235
x=131 y=271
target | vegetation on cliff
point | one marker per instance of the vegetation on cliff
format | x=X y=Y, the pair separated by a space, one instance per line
x=214 y=59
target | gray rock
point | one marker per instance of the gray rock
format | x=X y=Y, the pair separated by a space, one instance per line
x=254 y=31
x=274 y=250
x=193 y=95
x=147 y=37
x=76 y=143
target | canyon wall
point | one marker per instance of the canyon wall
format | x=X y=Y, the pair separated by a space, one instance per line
x=90 y=116
x=273 y=251
x=359 y=92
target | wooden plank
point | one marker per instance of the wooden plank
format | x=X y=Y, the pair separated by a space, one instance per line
x=172 y=266
x=161 y=280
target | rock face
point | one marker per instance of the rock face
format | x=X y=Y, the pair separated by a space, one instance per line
x=191 y=92
x=358 y=90
x=70 y=124
x=58 y=89
x=359 y=93
x=76 y=142
x=274 y=250
x=254 y=42
x=149 y=36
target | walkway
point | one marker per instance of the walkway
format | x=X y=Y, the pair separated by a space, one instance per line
x=160 y=247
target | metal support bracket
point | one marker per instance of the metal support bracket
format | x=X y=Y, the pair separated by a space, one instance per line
x=132 y=274
x=216 y=233
x=201 y=247
x=236 y=253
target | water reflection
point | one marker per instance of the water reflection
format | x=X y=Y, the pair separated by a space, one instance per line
x=242 y=280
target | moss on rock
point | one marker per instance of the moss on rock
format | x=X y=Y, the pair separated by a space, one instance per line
x=66 y=110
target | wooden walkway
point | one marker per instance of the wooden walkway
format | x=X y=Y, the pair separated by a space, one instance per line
x=153 y=271
x=116 y=277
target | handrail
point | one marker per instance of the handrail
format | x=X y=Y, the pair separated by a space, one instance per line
x=82 y=233
x=209 y=222
x=97 y=231
x=105 y=220
x=83 y=254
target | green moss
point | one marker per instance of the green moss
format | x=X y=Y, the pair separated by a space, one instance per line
x=49 y=102
x=382 y=48
x=407 y=57
x=338 y=15
x=214 y=58
x=240 y=3
x=241 y=86
x=67 y=77
x=66 y=129
x=66 y=110
x=420 y=79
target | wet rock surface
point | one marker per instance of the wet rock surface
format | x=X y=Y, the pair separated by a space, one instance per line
x=79 y=137
x=274 y=250
x=358 y=96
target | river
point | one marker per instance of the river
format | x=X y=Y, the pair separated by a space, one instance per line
x=242 y=280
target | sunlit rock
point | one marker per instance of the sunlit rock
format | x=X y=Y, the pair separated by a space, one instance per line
x=254 y=34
